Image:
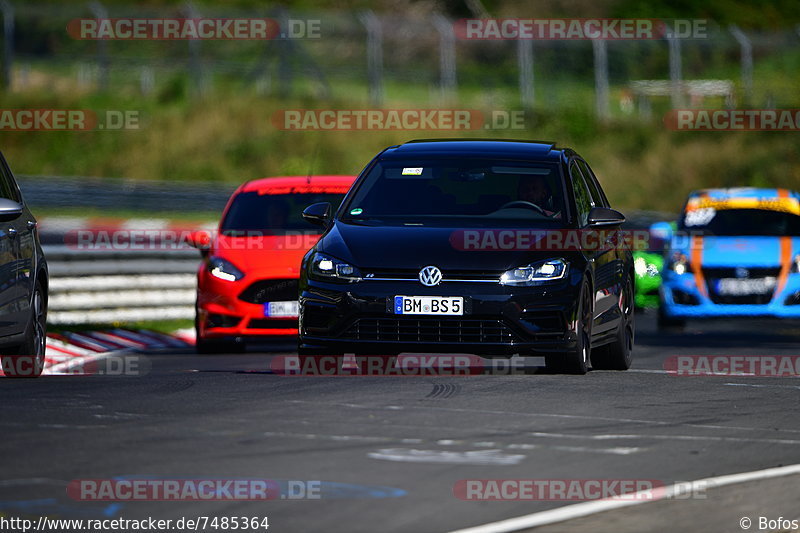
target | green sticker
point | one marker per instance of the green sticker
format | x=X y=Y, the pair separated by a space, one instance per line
x=356 y=211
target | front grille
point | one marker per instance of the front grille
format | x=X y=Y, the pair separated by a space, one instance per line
x=433 y=330
x=222 y=321
x=273 y=323
x=713 y=275
x=413 y=274
x=270 y=290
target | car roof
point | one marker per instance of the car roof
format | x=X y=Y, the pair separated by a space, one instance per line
x=299 y=184
x=511 y=149
x=743 y=192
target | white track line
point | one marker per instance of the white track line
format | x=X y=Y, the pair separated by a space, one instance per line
x=577 y=510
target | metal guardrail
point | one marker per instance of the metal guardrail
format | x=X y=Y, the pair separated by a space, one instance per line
x=120 y=286
x=117 y=194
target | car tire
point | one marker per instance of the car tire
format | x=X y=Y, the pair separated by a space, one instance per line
x=576 y=361
x=619 y=354
x=32 y=350
x=666 y=323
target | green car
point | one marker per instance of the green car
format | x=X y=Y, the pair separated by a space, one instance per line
x=647 y=266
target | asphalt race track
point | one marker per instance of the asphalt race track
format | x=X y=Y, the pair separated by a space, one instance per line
x=388 y=451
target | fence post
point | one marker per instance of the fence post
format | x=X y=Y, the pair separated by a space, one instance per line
x=600 y=48
x=8 y=43
x=195 y=67
x=747 y=61
x=147 y=80
x=374 y=57
x=447 y=56
x=525 y=65
x=675 y=70
x=99 y=12
x=285 y=56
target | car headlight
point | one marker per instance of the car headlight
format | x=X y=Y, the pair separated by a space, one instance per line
x=640 y=266
x=536 y=273
x=329 y=268
x=679 y=263
x=795 y=265
x=222 y=269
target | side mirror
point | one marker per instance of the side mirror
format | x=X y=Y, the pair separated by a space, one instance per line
x=200 y=239
x=603 y=217
x=9 y=209
x=318 y=214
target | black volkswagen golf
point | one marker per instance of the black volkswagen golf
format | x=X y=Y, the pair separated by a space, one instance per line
x=487 y=247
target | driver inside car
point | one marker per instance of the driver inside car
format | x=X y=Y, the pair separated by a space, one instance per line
x=536 y=190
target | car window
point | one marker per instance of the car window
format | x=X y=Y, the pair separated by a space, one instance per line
x=583 y=201
x=741 y=222
x=258 y=212
x=8 y=187
x=469 y=191
x=595 y=190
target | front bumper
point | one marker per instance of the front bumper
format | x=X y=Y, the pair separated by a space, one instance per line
x=222 y=314
x=647 y=289
x=498 y=320
x=694 y=303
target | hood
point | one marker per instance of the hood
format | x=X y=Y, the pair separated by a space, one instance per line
x=270 y=255
x=413 y=247
x=743 y=251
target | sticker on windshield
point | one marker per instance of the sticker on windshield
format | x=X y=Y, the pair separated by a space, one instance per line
x=700 y=217
x=415 y=171
x=356 y=211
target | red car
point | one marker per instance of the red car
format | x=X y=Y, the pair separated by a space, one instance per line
x=247 y=282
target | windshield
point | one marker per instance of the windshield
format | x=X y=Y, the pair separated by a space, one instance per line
x=255 y=213
x=465 y=191
x=741 y=222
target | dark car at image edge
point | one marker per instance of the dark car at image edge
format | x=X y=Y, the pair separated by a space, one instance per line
x=23 y=283
x=389 y=250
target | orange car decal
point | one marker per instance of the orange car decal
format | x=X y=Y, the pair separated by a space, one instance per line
x=696 y=263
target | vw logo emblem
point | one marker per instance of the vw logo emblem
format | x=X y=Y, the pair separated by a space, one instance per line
x=742 y=272
x=430 y=276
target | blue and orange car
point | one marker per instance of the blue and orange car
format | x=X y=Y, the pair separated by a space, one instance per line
x=736 y=252
x=247 y=284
